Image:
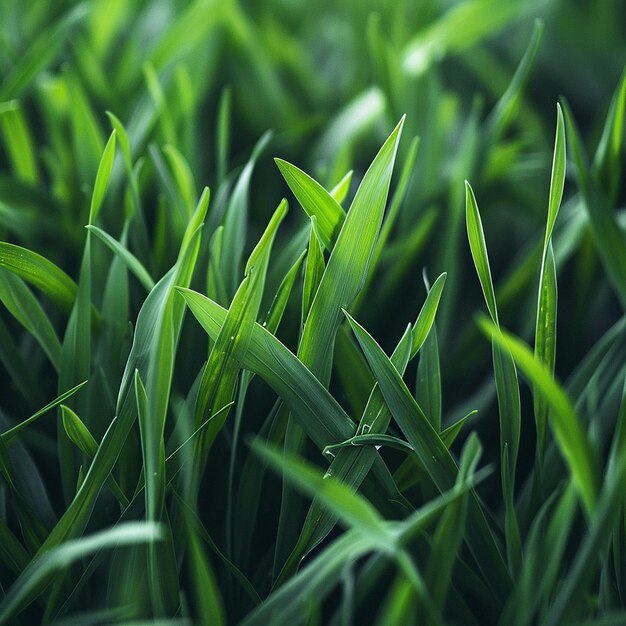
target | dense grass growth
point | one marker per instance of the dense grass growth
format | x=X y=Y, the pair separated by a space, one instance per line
x=379 y=378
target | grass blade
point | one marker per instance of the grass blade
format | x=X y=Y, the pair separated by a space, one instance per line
x=565 y=423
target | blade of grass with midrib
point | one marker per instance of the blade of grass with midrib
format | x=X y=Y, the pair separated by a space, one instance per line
x=569 y=435
x=545 y=329
x=39 y=272
x=316 y=202
x=354 y=511
x=220 y=375
x=505 y=374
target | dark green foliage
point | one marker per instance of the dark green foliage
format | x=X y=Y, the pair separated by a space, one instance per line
x=240 y=405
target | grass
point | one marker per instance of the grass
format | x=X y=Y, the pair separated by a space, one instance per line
x=378 y=379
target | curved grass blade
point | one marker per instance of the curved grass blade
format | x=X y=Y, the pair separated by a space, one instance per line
x=102 y=177
x=23 y=305
x=316 y=202
x=317 y=412
x=504 y=110
x=236 y=219
x=340 y=191
x=507 y=384
x=557 y=180
x=568 y=432
x=43 y=568
x=39 y=272
x=607 y=160
x=369 y=440
x=348 y=263
x=478 y=247
x=80 y=436
x=545 y=329
x=353 y=509
x=605 y=519
x=8 y=435
x=133 y=264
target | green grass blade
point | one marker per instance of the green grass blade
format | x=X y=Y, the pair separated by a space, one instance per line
x=78 y=512
x=313 y=582
x=605 y=518
x=565 y=423
x=608 y=236
x=315 y=201
x=313 y=269
x=279 y=303
x=607 y=160
x=184 y=178
x=102 y=178
x=208 y=601
x=41 y=570
x=220 y=375
x=478 y=248
x=348 y=263
x=369 y=440
x=80 y=436
x=545 y=338
x=507 y=386
x=411 y=471
x=223 y=133
x=352 y=466
x=319 y=414
x=504 y=110
x=132 y=263
x=23 y=305
x=39 y=272
x=18 y=142
x=426 y=318
x=557 y=179
x=8 y=435
x=235 y=220
x=340 y=191
x=354 y=510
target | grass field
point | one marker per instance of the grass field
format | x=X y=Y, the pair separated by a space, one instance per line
x=313 y=312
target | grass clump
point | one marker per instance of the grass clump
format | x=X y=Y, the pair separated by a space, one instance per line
x=220 y=408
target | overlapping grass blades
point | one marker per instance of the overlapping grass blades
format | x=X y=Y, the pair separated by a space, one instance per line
x=266 y=459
